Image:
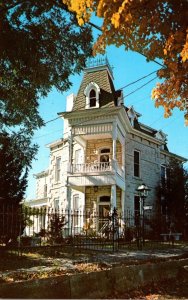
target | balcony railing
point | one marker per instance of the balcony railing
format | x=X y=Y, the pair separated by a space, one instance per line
x=92 y=167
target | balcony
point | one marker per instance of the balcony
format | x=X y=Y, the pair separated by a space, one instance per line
x=96 y=174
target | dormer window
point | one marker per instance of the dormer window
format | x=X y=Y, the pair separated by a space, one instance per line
x=92 y=98
x=92 y=92
x=133 y=116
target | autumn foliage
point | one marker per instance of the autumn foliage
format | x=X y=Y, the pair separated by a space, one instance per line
x=157 y=29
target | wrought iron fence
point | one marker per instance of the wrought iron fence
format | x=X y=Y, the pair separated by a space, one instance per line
x=31 y=227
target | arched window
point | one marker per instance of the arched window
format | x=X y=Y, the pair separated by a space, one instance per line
x=105 y=155
x=92 y=98
x=92 y=92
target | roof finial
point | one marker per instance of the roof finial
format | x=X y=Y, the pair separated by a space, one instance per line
x=97 y=62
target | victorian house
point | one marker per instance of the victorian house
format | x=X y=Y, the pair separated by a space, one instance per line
x=105 y=152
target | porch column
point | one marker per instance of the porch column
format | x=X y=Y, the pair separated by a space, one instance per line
x=123 y=203
x=123 y=154
x=114 y=139
x=114 y=149
x=70 y=152
x=113 y=197
x=69 y=207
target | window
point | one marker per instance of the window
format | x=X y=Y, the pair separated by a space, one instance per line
x=45 y=190
x=92 y=92
x=75 y=210
x=136 y=163
x=56 y=203
x=104 y=156
x=163 y=173
x=42 y=217
x=58 y=169
x=104 y=199
x=92 y=98
x=136 y=210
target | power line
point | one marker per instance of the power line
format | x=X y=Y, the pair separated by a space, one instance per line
x=156 y=120
x=80 y=123
x=104 y=114
x=140 y=87
x=49 y=133
x=133 y=82
x=51 y=120
x=172 y=120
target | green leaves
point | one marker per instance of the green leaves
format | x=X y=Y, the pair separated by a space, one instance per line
x=16 y=154
x=41 y=45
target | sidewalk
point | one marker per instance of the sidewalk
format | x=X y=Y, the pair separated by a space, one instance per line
x=92 y=275
x=69 y=262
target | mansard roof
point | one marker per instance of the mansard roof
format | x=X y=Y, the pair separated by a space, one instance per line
x=98 y=75
x=102 y=76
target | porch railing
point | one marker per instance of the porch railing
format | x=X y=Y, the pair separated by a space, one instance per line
x=92 y=167
x=93 y=129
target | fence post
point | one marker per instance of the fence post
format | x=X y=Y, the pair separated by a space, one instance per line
x=115 y=229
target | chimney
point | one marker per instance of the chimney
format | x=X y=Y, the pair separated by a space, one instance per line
x=70 y=102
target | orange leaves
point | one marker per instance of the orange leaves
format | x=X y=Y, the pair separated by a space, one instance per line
x=115 y=20
x=172 y=66
x=165 y=94
x=184 y=52
x=161 y=73
x=82 y=8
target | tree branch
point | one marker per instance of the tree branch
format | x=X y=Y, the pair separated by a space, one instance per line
x=99 y=28
x=6 y=8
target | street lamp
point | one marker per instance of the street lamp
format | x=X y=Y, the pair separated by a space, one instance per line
x=143 y=193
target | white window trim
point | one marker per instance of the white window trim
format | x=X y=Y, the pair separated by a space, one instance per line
x=89 y=87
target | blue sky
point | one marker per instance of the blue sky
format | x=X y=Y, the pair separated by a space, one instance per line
x=127 y=67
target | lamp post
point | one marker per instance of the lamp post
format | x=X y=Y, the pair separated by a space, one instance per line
x=143 y=193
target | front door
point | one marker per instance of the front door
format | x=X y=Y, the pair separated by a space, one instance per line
x=104 y=209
